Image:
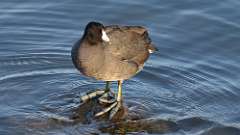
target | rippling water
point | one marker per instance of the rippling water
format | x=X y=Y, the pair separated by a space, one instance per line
x=191 y=86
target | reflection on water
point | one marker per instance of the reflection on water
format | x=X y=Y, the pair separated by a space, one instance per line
x=189 y=87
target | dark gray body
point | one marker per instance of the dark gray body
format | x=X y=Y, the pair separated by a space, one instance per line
x=119 y=59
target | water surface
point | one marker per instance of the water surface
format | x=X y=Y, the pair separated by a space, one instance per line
x=190 y=87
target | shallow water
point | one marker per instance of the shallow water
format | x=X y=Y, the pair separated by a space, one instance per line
x=191 y=86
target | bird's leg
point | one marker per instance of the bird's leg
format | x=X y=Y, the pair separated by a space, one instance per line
x=119 y=100
x=107 y=87
x=108 y=96
x=115 y=106
x=97 y=93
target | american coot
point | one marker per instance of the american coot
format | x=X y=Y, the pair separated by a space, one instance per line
x=111 y=53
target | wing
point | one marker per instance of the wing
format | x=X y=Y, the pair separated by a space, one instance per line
x=129 y=43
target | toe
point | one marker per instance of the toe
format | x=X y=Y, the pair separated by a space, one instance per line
x=106 y=109
x=106 y=101
x=91 y=95
x=115 y=110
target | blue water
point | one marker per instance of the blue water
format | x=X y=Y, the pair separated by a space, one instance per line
x=189 y=87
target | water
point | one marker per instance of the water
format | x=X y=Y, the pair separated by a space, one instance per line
x=191 y=86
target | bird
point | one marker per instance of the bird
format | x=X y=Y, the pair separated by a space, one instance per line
x=111 y=53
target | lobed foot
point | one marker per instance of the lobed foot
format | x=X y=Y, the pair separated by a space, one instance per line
x=107 y=98
x=113 y=109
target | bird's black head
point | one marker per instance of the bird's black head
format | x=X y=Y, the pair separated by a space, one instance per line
x=94 y=33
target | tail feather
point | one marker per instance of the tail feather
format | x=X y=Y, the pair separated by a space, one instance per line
x=152 y=48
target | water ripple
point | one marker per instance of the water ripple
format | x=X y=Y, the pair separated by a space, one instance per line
x=210 y=17
x=189 y=87
x=37 y=73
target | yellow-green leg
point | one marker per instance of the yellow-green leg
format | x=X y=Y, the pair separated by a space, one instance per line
x=119 y=100
x=107 y=88
x=119 y=96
